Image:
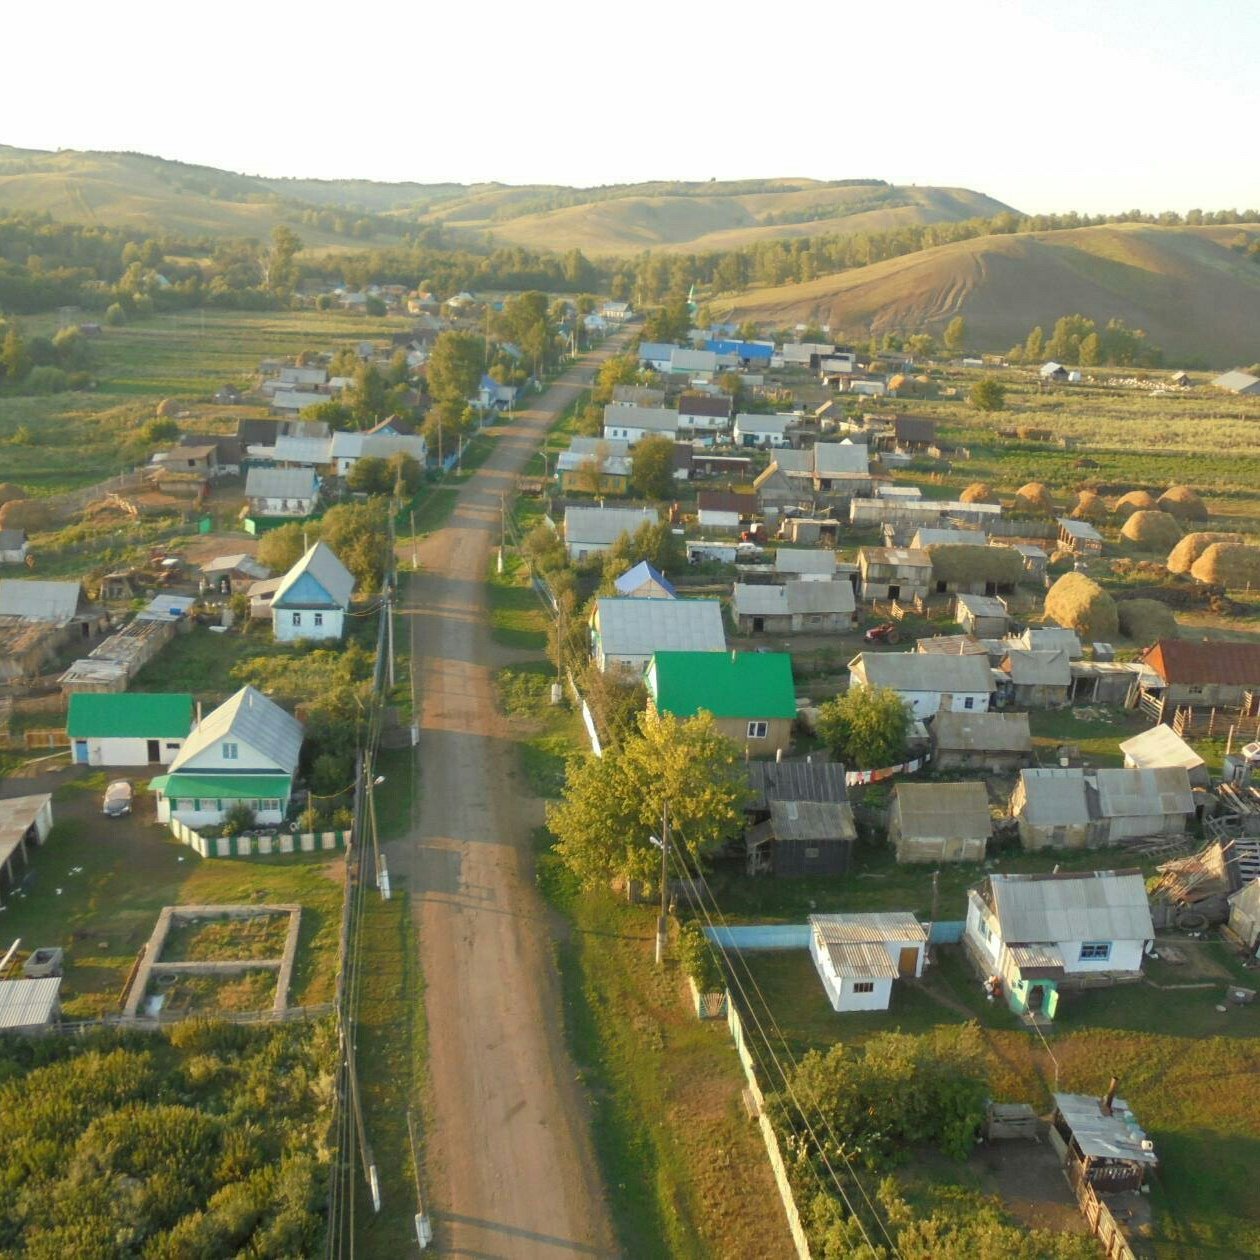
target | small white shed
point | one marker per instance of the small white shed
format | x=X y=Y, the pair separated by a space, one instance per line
x=858 y=956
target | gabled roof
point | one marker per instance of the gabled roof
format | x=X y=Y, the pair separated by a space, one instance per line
x=805 y=560
x=856 y=945
x=640 y=575
x=800 y=598
x=39 y=600
x=1049 y=638
x=746 y=422
x=604 y=525
x=639 y=395
x=726 y=501
x=931 y=536
x=305 y=450
x=935 y=809
x=914 y=429
x=639 y=627
x=834 y=459
x=795 y=779
x=660 y=350
x=129 y=715
x=1055 y=797
x=650 y=419
x=685 y=360
x=926 y=671
x=239 y=563
x=718 y=405
x=280 y=483
x=1070 y=906
x=598 y=446
x=981 y=605
x=734 y=684
x=1103 y=1136
x=1132 y=793
x=812 y=820
x=1160 y=746
x=982 y=732
x=1201 y=662
x=1038 y=669
x=256 y=721
x=1082 y=531
x=901 y=557
x=1237 y=381
x=323 y=565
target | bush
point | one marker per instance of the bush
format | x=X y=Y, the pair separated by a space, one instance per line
x=115 y=315
x=238 y=819
x=866 y=727
x=46 y=380
x=696 y=957
x=988 y=395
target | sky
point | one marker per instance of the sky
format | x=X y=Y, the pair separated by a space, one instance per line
x=1097 y=106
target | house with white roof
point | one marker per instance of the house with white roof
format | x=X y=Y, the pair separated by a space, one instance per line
x=281 y=492
x=591 y=530
x=245 y=751
x=627 y=632
x=858 y=956
x=313 y=598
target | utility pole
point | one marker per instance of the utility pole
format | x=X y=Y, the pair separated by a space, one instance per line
x=662 y=923
x=415 y=552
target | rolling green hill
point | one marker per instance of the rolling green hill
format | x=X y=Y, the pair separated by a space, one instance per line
x=1194 y=295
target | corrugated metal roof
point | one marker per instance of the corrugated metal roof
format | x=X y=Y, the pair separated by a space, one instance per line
x=981 y=605
x=609 y=465
x=598 y=446
x=914 y=429
x=39 y=600
x=631 y=416
x=280 y=483
x=812 y=820
x=833 y=459
x=1160 y=746
x=926 y=671
x=1204 y=662
x=943 y=809
x=795 y=779
x=28 y=1003
x=129 y=715
x=859 y=961
x=1054 y=797
x=726 y=501
x=804 y=560
x=887 y=925
x=1090 y=906
x=17 y=815
x=604 y=526
x=1135 y=793
x=982 y=732
x=952 y=645
x=790 y=460
x=1049 y=639
x=303 y=450
x=717 y=405
x=1082 y=531
x=1041 y=957
x=640 y=575
x=802 y=598
x=638 y=395
x=1115 y=1136
x=748 y=423
x=639 y=627
x=324 y=565
x=735 y=684
x=1236 y=381
x=1038 y=669
x=257 y=721
x=936 y=536
x=902 y=557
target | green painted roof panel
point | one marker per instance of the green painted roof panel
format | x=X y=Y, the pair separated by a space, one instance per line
x=223 y=786
x=130 y=715
x=726 y=684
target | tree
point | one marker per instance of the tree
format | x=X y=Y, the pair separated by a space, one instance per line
x=455 y=366
x=405 y=474
x=15 y=360
x=374 y=306
x=623 y=369
x=370 y=475
x=652 y=473
x=281 y=548
x=280 y=267
x=613 y=803
x=358 y=533
x=988 y=395
x=654 y=542
x=866 y=727
x=921 y=345
x=367 y=400
x=955 y=334
x=1091 y=351
x=1035 y=346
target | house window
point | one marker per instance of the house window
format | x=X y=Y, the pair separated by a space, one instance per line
x=319 y=619
x=172 y=747
x=758 y=730
x=231 y=752
x=297 y=619
x=272 y=805
x=1095 y=951
x=864 y=986
x=969 y=702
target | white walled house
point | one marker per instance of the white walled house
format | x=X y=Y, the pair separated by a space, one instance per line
x=928 y=683
x=858 y=956
x=128 y=728
x=591 y=530
x=703 y=416
x=753 y=430
x=628 y=422
x=281 y=492
x=247 y=750
x=1039 y=933
x=313 y=598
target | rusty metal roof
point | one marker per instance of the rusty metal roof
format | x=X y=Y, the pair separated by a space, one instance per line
x=1206 y=661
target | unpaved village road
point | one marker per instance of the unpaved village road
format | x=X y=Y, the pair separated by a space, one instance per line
x=510 y=1166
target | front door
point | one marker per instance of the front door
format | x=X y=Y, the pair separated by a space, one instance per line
x=894 y=592
x=907 y=962
x=759 y=624
x=81 y=752
x=154 y=750
x=1036 y=997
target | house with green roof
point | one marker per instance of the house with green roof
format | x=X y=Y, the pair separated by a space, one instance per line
x=128 y=728
x=750 y=694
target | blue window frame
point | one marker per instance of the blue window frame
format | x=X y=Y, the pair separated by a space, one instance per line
x=1095 y=951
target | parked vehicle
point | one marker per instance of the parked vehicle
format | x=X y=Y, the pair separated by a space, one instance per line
x=117 y=799
x=885 y=632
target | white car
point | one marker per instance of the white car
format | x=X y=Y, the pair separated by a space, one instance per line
x=117 y=799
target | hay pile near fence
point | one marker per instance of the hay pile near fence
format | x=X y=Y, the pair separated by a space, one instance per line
x=1183 y=503
x=1079 y=603
x=978 y=492
x=966 y=566
x=1231 y=565
x=25 y=514
x=1134 y=501
x=9 y=493
x=1146 y=620
x=1034 y=500
x=1154 y=531
x=1182 y=557
x=1091 y=507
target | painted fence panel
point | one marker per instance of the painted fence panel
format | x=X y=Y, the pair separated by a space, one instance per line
x=261 y=845
x=946 y=931
x=760 y=936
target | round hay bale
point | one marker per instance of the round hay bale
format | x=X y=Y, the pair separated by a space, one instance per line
x=1146 y=620
x=1134 y=501
x=9 y=493
x=1231 y=565
x=25 y=514
x=167 y=408
x=1154 y=531
x=1034 y=499
x=978 y=492
x=1090 y=506
x=1080 y=604
x=1183 y=503
x=1182 y=557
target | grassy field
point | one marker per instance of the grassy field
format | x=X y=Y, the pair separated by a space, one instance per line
x=99 y=884
x=516 y=617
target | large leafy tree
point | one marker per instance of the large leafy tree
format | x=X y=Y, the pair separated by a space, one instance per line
x=955 y=334
x=654 y=542
x=988 y=395
x=866 y=727
x=652 y=473
x=612 y=804
x=455 y=366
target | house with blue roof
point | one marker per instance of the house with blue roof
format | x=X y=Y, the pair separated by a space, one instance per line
x=491 y=394
x=644 y=581
x=313 y=598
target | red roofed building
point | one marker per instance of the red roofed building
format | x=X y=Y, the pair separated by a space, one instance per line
x=1204 y=673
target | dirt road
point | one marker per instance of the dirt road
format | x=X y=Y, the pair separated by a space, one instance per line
x=510 y=1167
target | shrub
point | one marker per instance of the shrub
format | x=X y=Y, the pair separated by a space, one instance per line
x=115 y=315
x=238 y=819
x=46 y=380
x=695 y=955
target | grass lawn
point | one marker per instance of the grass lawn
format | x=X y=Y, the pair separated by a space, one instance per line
x=1098 y=737
x=98 y=885
x=517 y=618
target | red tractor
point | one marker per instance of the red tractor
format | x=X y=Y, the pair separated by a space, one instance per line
x=885 y=632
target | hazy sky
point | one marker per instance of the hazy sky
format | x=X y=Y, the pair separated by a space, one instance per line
x=1097 y=105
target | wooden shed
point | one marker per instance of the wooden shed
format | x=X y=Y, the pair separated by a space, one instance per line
x=940 y=822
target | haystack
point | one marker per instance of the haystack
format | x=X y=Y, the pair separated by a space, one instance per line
x=978 y=492
x=9 y=493
x=1090 y=507
x=1183 y=503
x=1154 y=531
x=1182 y=557
x=167 y=408
x=25 y=514
x=1034 y=499
x=1146 y=620
x=1231 y=565
x=1080 y=604
x=969 y=566
x=1134 y=501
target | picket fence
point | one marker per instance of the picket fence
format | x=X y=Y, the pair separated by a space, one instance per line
x=263 y=845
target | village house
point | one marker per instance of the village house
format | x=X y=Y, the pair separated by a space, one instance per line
x=894 y=573
x=696 y=365
x=703 y=416
x=807 y=564
x=644 y=581
x=281 y=493
x=245 y=752
x=724 y=510
x=14 y=546
x=858 y=956
x=817 y=789
x=347 y=448
x=984 y=616
x=1036 y=561
x=775 y=491
x=313 y=598
x=839 y=470
x=656 y=355
x=750 y=694
x=1036 y=680
x=1161 y=746
x=638 y=396
x=928 y=683
x=494 y=395
x=626 y=633
x=128 y=728
x=588 y=531
x=1201 y=674
x=595 y=466
x=1040 y=933
x=796 y=607
x=940 y=822
x=754 y=430
x=629 y=423
x=996 y=742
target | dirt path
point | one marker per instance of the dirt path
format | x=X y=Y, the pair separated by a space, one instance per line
x=510 y=1166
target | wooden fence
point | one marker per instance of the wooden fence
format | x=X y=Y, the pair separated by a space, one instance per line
x=1098 y=1215
x=262 y=844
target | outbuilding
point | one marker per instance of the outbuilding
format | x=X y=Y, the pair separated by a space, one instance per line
x=899 y=573
x=128 y=728
x=985 y=616
x=996 y=742
x=1037 y=680
x=858 y=956
x=30 y=1007
x=1162 y=746
x=802 y=838
x=940 y=822
x=794 y=608
x=25 y=822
